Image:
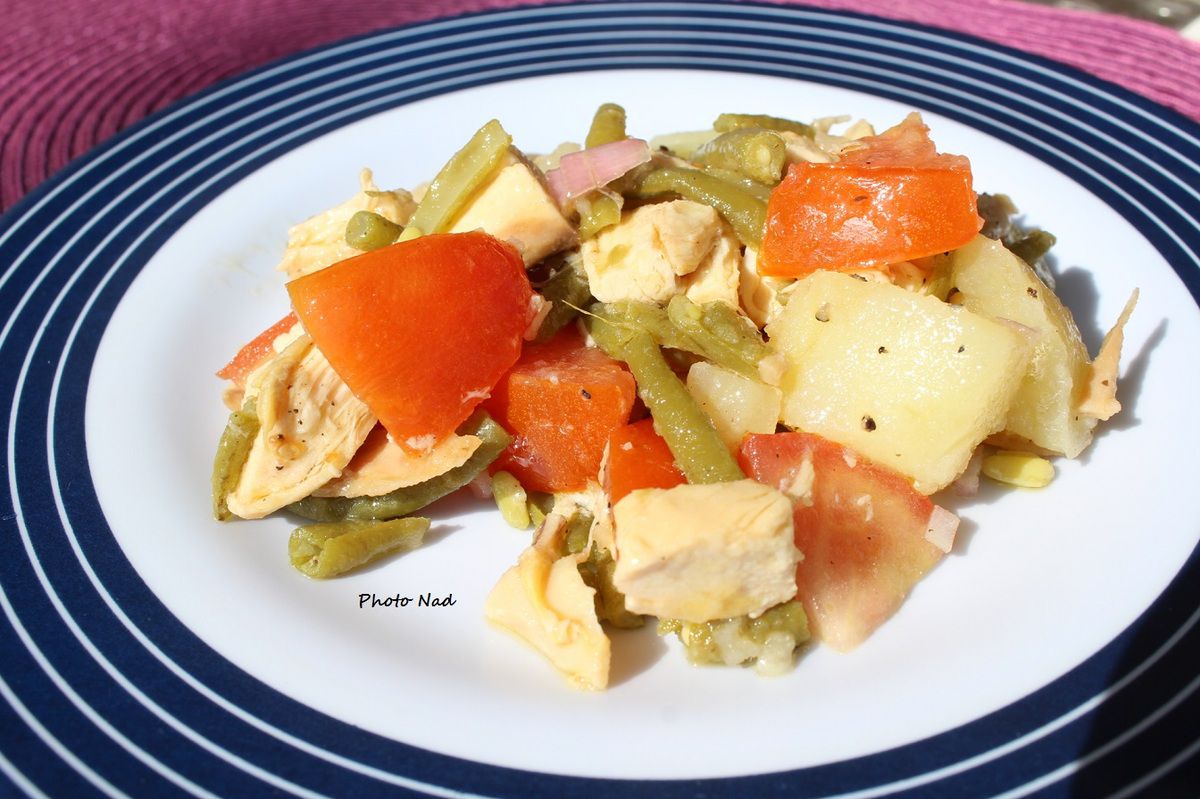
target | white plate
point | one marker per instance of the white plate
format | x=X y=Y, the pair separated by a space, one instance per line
x=997 y=672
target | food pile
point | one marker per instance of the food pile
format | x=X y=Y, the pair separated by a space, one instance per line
x=723 y=375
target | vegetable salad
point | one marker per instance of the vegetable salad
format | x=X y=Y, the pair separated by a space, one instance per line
x=721 y=375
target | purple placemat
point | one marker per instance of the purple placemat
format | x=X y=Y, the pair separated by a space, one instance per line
x=74 y=72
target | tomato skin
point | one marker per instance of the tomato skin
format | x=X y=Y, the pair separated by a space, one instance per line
x=421 y=330
x=561 y=402
x=256 y=351
x=861 y=557
x=893 y=198
x=638 y=457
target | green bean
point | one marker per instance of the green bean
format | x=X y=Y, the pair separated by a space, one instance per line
x=715 y=331
x=741 y=209
x=650 y=317
x=728 y=122
x=752 y=187
x=579 y=530
x=758 y=154
x=739 y=639
x=232 y=451
x=327 y=550
x=689 y=433
x=403 y=501
x=511 y=499
x=597 y=213
x=568 y=290
x=720 y=334
x=608 y=125
x=597 y=572
x=540 y=505
x=466 y=171
x=368 y=231
x=1031 y=246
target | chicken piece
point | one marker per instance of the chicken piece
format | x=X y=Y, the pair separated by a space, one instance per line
x=761 y=297
x=703 y=552
x=717 y=279
x=660 y=250
x=1100 y=396
x=234 y=394
x=310 y=426
x=544 y=601
x=381 y=465
x=515 y=207
x=320 y=241
x=823 y=147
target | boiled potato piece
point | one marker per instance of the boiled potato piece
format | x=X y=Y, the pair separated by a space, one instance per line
x=1045 y=411
x=737 y=405
x=908 y=381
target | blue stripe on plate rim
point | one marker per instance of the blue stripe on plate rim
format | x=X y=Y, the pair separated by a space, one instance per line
x=107 y=693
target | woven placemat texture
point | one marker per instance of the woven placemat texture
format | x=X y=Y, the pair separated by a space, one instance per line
x=74 y=72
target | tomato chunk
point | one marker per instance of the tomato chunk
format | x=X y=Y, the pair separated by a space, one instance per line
x=561 y=402
x=860 y=526
x=255 y=352
x=895 y=198
x=422 y=330
x=638 y=457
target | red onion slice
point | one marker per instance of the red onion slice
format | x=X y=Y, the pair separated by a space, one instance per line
x=587 y=170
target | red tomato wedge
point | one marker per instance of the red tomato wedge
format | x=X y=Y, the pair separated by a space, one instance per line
x=422 y=330
x=561 y=402
x=254 y=353
x=638 y=457
x=860 y=526
x=892 y=199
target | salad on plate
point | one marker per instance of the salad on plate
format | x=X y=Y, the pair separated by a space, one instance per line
x=722 y=375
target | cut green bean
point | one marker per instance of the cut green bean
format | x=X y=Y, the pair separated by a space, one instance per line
x=232 y=451
x=728 y=122
x=687 y=429
x=608 y=125
x=596 y=213
x=750 y=186
x=327 y=550
x=368 y=231
x=1031 y=246
x=758 y=154
x=597 y=572
x=720 y=334
x=466 y=171
x=579 y=530
x=742 y=210
x=511 y=499
x=741 y=639
x=715 y=331
x=568 y=290
x=403 y=501
x=650 y=317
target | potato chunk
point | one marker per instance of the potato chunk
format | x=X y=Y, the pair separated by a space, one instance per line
x=910 y=382
x=737 y=405
x=1045 y=410
x=703 y=552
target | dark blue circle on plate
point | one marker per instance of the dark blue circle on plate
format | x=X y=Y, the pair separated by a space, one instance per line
x=107 y=693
